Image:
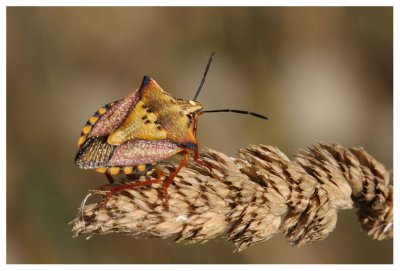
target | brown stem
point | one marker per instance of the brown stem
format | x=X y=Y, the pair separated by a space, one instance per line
x=253 y=197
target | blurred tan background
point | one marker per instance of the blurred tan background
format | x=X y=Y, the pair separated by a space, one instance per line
x=320 y=74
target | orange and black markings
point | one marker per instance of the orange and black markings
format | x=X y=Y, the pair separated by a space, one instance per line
x=92 y=121
x=140 y=169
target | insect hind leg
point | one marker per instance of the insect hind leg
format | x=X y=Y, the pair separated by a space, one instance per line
x=133 y=185
x=160 y=173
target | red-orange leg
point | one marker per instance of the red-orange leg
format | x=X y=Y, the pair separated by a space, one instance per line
x=172 y=176
x=128 y=186
x=196 y=156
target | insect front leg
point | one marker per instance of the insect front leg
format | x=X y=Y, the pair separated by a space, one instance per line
x=196 y=156
x=170 y=179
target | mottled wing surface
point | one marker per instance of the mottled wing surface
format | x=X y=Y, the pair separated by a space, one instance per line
x=142 y=152
x=115 y=116
x=94 y=151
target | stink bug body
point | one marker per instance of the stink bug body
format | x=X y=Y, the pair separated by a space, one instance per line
x=132 y=135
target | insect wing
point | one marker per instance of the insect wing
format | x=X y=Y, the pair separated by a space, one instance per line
x=142 y=152
x=114 y=117
x=95 y=152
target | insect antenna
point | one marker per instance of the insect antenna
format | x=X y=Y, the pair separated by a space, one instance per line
x=204 y=76
x=236 y=111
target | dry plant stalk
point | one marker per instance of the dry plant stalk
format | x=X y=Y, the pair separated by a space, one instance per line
x=254 y=197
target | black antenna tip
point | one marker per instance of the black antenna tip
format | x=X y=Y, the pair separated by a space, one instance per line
x=259 y=116
x=204 y=76
x=237 y=111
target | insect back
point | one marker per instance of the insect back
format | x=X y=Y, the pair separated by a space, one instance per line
x=132 y=135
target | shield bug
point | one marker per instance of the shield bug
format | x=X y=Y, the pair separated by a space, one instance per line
x=132 y=135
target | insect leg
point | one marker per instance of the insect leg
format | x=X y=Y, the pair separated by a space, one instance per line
x=196 y=156
x=128 y=186
x=110 y=178
x=159 y=173
x=170 y=179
